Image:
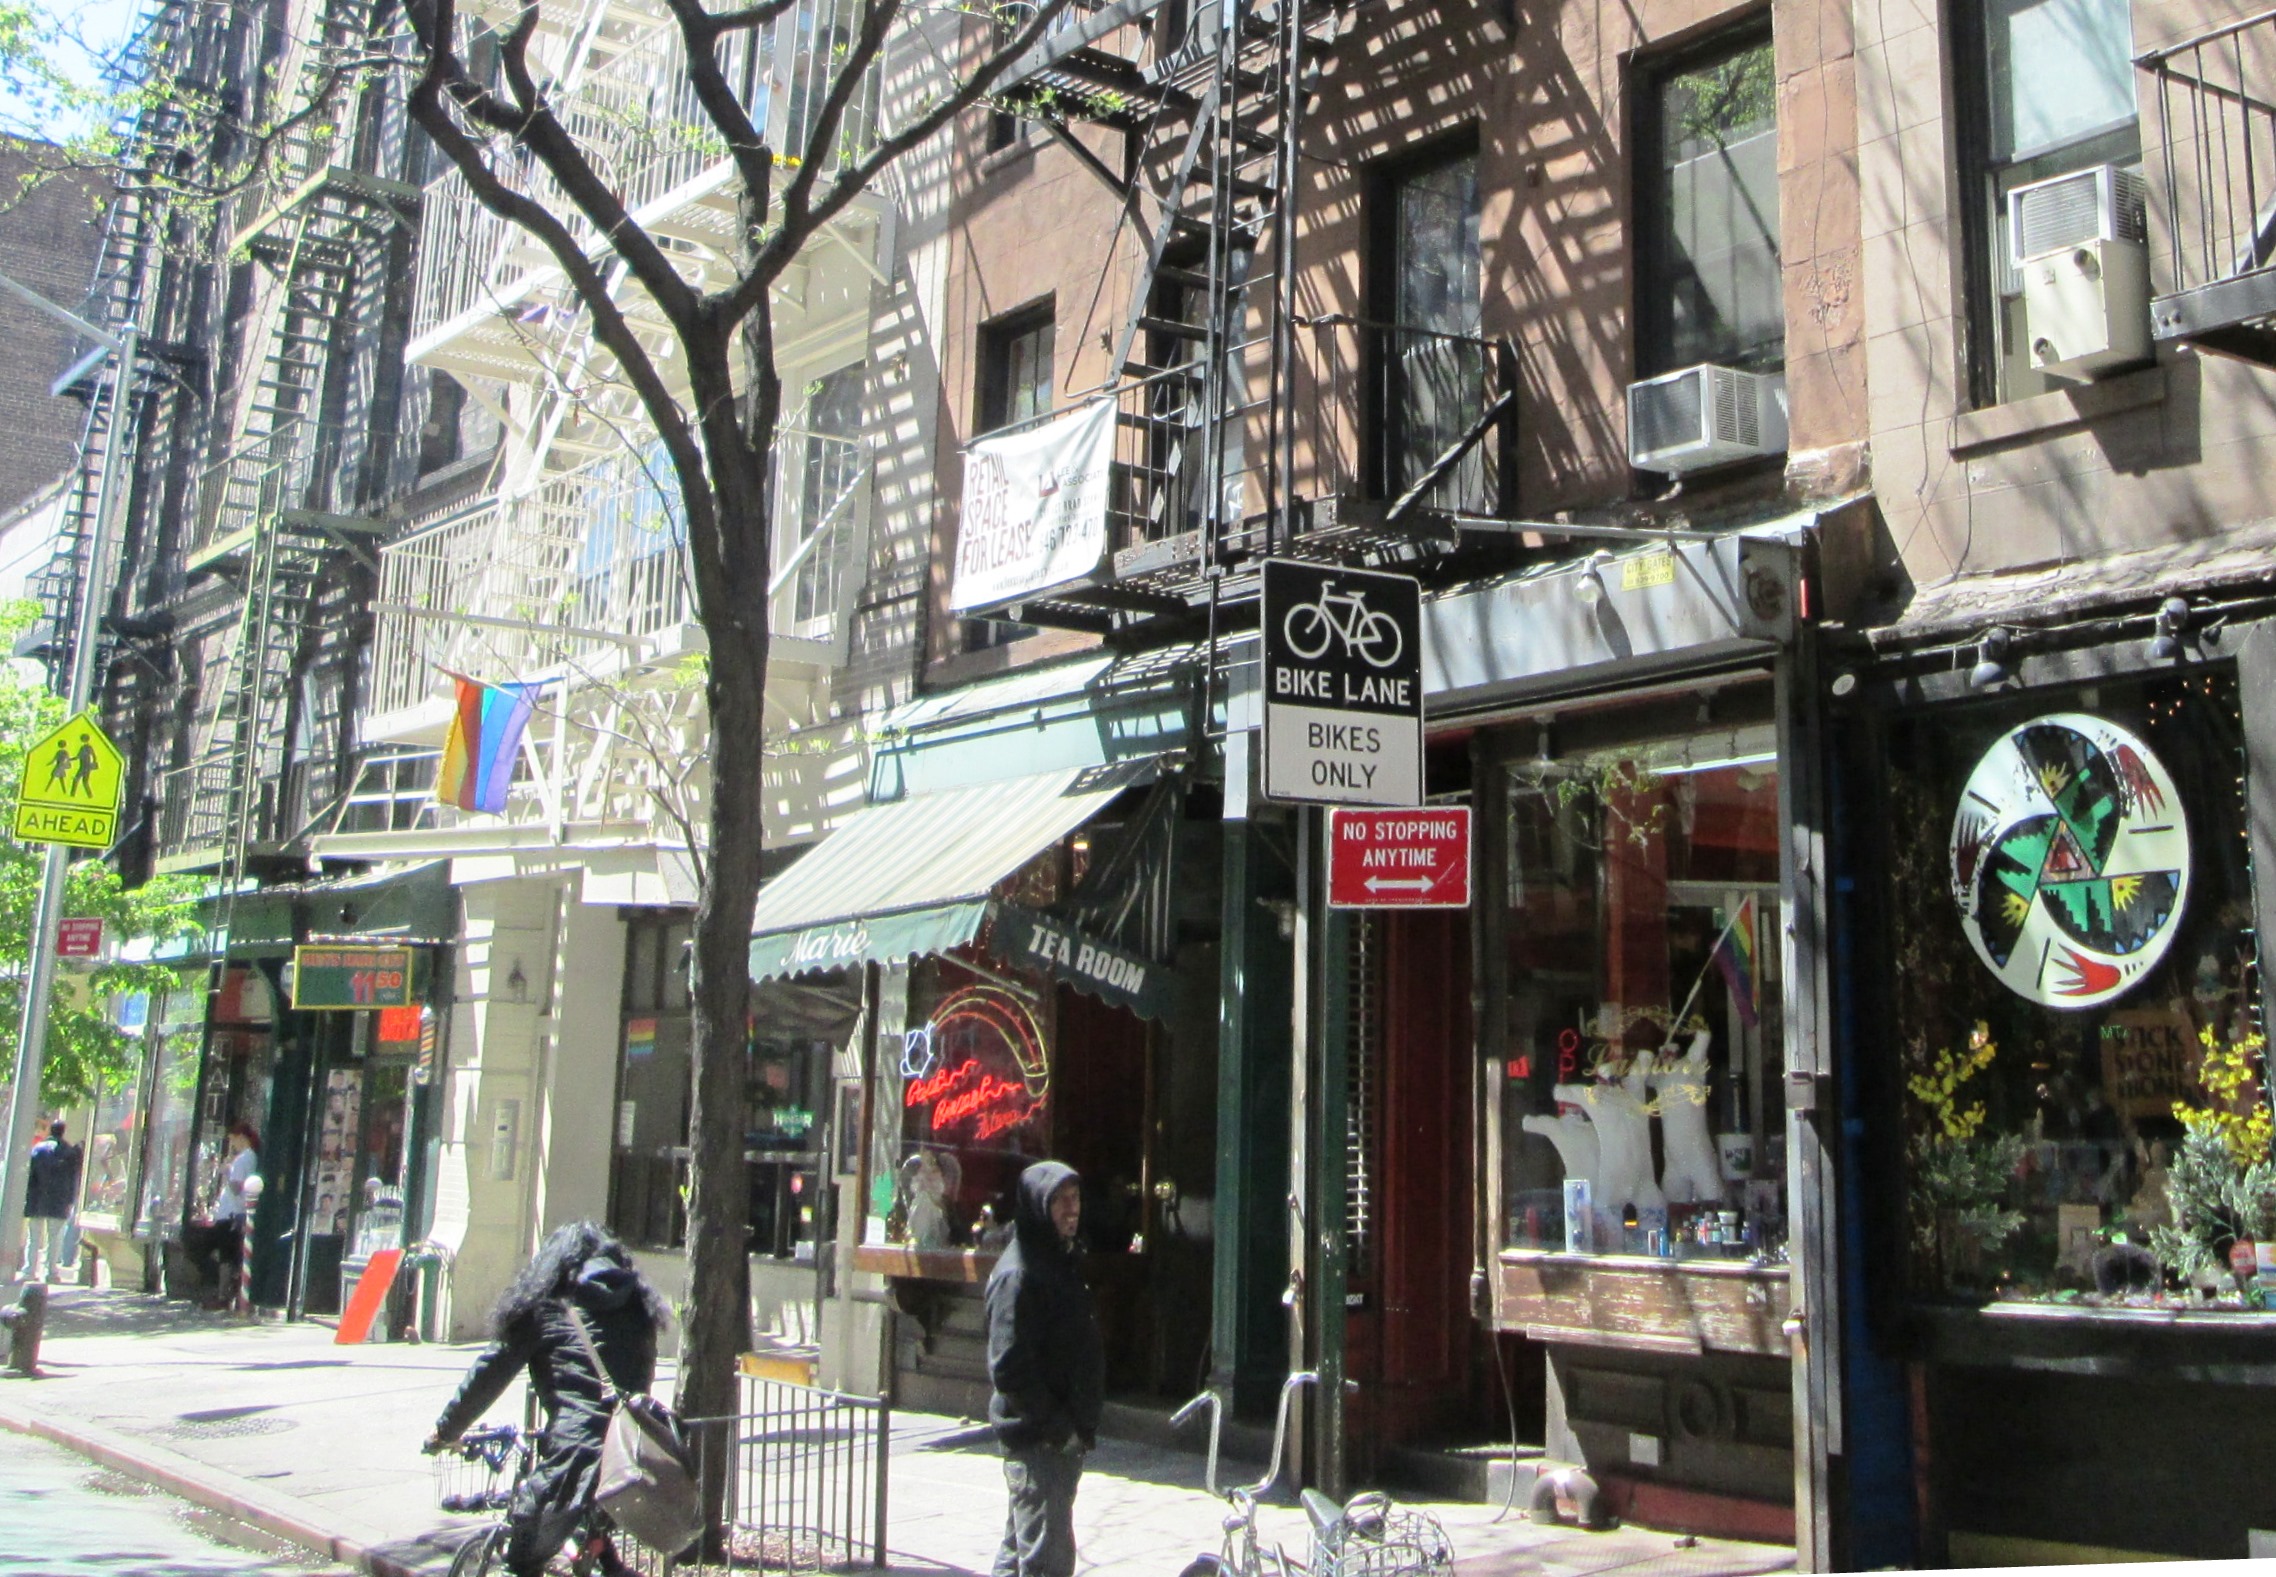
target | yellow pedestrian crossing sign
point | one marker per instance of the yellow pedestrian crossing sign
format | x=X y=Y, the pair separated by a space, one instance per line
x=73 y=781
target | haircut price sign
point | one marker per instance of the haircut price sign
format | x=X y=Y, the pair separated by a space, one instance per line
x=326 y=976
x=1342 y=685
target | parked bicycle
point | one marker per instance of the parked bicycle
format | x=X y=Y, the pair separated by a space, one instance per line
x=477 y=1474
x=1367 y=1536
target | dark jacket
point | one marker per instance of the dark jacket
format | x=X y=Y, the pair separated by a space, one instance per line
x=54 y=1185
x=544 y=1342
x=1044 y=1352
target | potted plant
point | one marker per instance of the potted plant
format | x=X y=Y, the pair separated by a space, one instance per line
x=1960 y=1175
x=2222 y=1185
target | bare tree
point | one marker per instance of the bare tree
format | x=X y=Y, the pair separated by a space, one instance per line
x=719 y=443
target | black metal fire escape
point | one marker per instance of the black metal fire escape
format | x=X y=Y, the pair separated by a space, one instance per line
x=1204 y=362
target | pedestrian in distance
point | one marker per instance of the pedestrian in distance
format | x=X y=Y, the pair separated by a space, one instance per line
x=50 y=1196
x=1048 y=1366
x=216 y=1246
x=580 y=1272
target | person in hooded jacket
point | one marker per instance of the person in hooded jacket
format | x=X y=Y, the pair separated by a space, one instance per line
x=581 y=1267
x=1048 y=1365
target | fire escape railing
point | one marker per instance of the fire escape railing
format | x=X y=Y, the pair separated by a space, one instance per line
x=647 y=133
x=2217 y=123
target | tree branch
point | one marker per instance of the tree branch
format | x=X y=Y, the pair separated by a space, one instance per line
x=857 y=177
x=746 y=142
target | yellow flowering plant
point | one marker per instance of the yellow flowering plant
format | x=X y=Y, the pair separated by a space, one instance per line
x=2222 y=1185
x=1960 y=1176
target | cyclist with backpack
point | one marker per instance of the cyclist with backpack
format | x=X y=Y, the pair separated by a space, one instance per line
x=582 y=1277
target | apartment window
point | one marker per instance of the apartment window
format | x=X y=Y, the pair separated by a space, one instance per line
x=1015 y=386
x=829 y=469
x=1707 y=284
x=2054 y=93
x=1431 y=359
x=1015 y=369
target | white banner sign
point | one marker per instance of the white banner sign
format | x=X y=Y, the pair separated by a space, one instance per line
x=1034 y=508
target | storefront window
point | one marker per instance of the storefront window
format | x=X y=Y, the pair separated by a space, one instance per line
x=240 y=1068
x=106 y=1196
x=176 y=1040
x=2076 y=1015
x=1643 y=1003
x=654 y=1068
x=972 y=1089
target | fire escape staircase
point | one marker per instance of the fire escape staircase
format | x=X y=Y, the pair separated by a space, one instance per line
x=273 y=525
x=1202 y=363
x=1214 y=124
x=132 y=232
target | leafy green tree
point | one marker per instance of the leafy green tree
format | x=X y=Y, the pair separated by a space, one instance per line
x=85 y=1050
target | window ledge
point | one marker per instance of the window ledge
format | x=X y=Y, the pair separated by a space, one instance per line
x=2044 y=414
x=1011 y=153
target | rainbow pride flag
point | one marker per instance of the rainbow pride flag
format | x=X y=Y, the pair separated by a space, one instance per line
x=485 y=736
x=1735 y=956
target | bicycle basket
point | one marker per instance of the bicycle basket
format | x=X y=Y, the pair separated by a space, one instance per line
x=472 y=1484
x=1398 y=1544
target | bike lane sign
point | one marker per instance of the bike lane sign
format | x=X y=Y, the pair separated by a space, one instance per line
x=1342 y=685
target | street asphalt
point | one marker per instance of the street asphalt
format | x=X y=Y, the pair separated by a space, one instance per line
x=276 y=1426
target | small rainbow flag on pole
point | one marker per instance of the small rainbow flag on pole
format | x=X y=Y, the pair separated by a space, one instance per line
x=485 y=736
x=1734 y=955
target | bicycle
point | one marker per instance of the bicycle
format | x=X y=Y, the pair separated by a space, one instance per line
x=1367 y=1536
x=478 y=1473
x=1370 y=634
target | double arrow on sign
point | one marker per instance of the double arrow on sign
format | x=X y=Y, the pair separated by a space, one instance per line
x=1401 y=884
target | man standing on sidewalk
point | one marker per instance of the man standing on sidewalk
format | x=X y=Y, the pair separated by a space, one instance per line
x=1048 y=1365
x=49 y=1196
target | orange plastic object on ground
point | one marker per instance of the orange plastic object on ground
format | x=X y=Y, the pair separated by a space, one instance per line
x=371 y=1292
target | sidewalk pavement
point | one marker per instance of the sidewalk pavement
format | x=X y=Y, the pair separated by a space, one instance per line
x=275 y=1425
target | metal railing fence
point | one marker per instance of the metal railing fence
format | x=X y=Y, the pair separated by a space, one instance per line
x=2216 y=98
x=806 y=1478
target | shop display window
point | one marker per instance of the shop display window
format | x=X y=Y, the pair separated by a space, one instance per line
x=654 y=1069
x=788 y=1083
x=969 y=1101
x=2075 y=1010
x=1642 y=999
x=106 y=1196
x=177 y=1036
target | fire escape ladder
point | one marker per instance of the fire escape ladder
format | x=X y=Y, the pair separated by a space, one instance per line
x=2215 y=167
x=131 y=239
x=278 y=514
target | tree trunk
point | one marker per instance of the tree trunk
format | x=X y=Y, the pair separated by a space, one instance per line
x=717 y=1315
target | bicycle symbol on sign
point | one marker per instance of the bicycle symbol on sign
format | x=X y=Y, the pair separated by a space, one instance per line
x=1367 y=633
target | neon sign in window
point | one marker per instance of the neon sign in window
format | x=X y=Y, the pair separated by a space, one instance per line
x=978 y=1064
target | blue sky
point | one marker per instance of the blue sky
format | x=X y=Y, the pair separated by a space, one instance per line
x=82 y=33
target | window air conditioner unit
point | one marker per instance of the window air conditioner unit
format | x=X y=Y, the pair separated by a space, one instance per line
x=2103 y=203
x=2086 y=309
x=1705 y=416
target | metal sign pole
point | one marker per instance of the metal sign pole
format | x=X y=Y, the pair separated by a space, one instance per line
x=31 y=1036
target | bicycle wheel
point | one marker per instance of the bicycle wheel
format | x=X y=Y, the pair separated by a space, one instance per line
x=1312 y=620
x=1206 y=1566
x=484 y=1555
x=1376 y=631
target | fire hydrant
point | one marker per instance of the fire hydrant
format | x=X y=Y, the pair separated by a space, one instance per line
x=24 y=1324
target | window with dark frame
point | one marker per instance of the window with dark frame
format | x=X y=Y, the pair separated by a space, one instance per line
x=1015 y=386
x=2046 y=89
x=1708 y=287
x=1429 y=363
x=654 y=1072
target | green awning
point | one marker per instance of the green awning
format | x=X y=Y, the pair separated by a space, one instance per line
x=842 y=944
